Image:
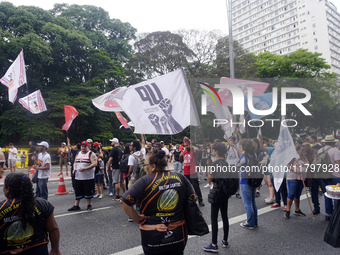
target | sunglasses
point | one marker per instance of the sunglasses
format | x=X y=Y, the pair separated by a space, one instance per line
x=2 y=162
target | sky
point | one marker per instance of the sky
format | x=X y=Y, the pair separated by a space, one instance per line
x=158 y=15
x=155 y=15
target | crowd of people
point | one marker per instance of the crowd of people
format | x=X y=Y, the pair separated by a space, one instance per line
x=153 y=195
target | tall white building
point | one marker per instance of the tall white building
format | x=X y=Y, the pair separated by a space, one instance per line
x=284 y=26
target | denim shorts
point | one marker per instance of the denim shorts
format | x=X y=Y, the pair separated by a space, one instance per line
x=295 y=188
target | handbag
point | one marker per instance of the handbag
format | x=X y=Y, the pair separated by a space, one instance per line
x=332 y=234
x=213 y=194
x=194 y=219
x=35 y=176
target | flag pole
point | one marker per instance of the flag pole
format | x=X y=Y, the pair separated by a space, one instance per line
x=29 y=110
x=310 y=206
x=133 y=133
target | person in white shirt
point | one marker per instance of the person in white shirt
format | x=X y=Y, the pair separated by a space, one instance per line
x=135 y=148
x=12 y=157
x=163 y=148
x=43 y=166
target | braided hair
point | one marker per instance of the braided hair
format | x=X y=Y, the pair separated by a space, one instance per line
x=21 y=188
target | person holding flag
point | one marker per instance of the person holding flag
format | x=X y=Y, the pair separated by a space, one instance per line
x=295 y=177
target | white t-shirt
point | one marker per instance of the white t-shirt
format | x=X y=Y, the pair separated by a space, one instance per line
x=143 y=151
x=43 y=160
x=133 y=162
x=166 y=151
x=232 y=155
x=12 y=153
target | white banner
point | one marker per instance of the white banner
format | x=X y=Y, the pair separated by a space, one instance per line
x=15 y=77
x=284 y=152
x=242 y=127
x=33 y=102
x=162 y=105
x=107 y=103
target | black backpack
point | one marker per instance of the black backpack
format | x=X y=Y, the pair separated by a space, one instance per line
x=228 y=184
x=254 y=172
x=123 y=163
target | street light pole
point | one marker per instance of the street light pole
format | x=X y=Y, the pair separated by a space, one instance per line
x=231 y=47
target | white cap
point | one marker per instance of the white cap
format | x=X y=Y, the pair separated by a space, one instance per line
x=89 y=140
x=45 y=144
x=115 y=140
x=63 y=143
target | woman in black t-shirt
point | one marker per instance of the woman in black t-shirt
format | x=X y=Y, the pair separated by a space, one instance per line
x=162 y=194
x=177 y=163
x=26 y=222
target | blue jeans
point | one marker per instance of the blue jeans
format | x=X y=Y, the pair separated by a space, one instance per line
x=177 y=166
x=295 y=188
x=41 y=189
x=330 y=203
x=248 y=197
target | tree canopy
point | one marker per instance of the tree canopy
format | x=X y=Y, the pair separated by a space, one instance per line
x=74 y=53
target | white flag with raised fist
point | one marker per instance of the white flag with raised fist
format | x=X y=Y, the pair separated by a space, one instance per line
x=162 y=105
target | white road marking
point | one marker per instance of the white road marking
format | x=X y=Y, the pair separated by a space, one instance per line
x=79 y=212
x=139 y=250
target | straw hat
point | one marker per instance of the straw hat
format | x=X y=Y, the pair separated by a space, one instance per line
x=329 y=139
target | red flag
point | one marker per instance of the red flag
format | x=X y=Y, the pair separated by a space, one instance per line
x=70 y=114
x=122 y=120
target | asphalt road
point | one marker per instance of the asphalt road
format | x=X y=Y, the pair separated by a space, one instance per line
x=105 y=230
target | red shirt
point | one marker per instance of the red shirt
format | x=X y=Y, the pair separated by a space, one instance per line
x=189 y=163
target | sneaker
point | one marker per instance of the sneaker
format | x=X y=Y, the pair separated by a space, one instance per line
x=110 y=194
x=89 y=207
x=97 y=195
x=101 y=196
x=287 y=215
x=116 y=198
x=74 y=208
x=269 y=200
x=201 y=203
x=130 y=219
x=276 y=205
x=211 y=248
x=245 y=225
x=315 y=212
x=237 y=195
x=327 y=218
x=207 y=186
x=299 y=213
x=225 y=243
x=284 y=208
x=257 y=194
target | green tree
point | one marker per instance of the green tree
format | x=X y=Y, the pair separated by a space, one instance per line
x=72 y=54
x=298 y=64
x=159 y=53
x=243 y=62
